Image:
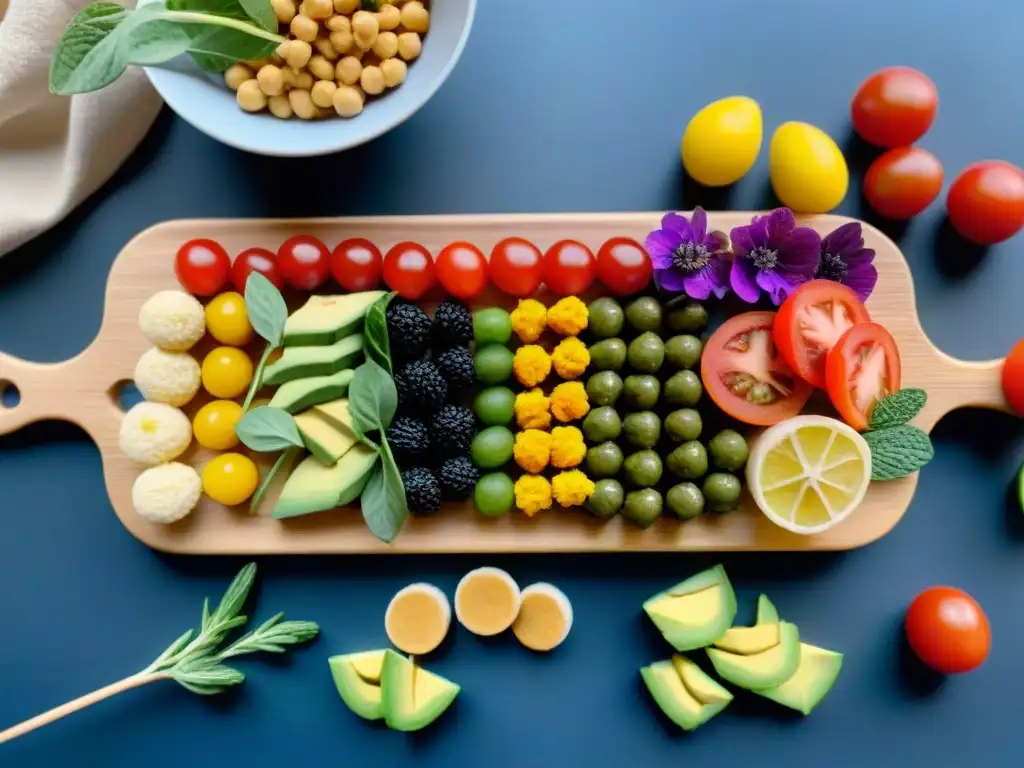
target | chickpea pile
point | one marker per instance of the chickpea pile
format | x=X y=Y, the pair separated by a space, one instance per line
x=335 y=56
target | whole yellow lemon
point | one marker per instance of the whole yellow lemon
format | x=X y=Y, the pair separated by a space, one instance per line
x=808 y=171
x=721 y=141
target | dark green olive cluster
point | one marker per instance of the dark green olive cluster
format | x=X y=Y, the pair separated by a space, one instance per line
x=644 y=389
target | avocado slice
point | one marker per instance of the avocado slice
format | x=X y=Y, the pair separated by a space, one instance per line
x=323 y=438
x=413 y=698
x=336 y=412
x=357 y=677
x=326 y=319
x=299 y=394
x=314 y=487
x=749 y=640
x=695 y=612
x=681 y=689
x=303 y=362
x=761 y=670
x=815 y=675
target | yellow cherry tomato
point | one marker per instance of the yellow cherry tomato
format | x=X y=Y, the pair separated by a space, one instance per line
x=227 y=372
x=721 y=141
x=227 y=320
x=808 y=170
x=214 y=425
x=230 y=479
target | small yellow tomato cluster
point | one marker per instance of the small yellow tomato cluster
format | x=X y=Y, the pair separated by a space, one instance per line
x=335 y=56
x=534 y=493
x=533 y=409
x=569 y=401
x=567 y=317
x=567 y=447
x=570 y=358
x=531 y=365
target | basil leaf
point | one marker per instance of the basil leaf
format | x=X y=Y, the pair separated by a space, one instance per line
x=266 y=308
x=215 y=49
x=158 y=41
x=378 y=347
x=92 y=52
x=268 y=429
x=383 y=502
x=262 y=12
x=898 y=451
x=898 y=408
x=372 y=398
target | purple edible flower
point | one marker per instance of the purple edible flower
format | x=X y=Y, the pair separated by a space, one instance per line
x=774 y=255
x=687 y=258
x=844 y=259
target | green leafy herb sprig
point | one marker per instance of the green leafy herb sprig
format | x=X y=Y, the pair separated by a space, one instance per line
x=267 y=429
x=268 y=314
x=898 y=448
x=104 y=39
x=196 y=659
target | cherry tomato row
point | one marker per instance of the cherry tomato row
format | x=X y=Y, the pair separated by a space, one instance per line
x=516 y=267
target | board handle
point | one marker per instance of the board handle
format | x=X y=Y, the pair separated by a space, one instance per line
x=70 y=391
x=961 y=384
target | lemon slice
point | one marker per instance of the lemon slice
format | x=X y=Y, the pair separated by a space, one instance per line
x=809 y=472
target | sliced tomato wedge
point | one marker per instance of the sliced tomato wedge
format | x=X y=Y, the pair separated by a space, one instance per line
x=745 y=375
x=810 y=322
x=861 y=369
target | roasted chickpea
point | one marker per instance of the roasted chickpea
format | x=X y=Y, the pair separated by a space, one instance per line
x=323 y=92
x=284 y=10
x=235 y=75
x=409 y=45
x=338 y=24
x=323 y=45
x=356 y=52
x=386 y=45
x=271 y=80
x=298 y=52
x=348 y=101
x=394 y=71
x=365 y=29
x=415 y=17
x=345 y=6
x=342 y=40
x=250 y=97
x=319 y=9
x=348 y=70
x=372 y=80
x=303 y=80
x=302 y=104
x=388 y=17
x=304 y=28
x=321 y=68
x=280 y=107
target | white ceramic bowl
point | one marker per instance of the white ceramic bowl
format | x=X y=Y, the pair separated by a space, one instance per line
x=209 y=105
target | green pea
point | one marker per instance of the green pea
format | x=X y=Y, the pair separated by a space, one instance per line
x=683 y=351
x=642 y=429
x=683 y=388
x=495 y=406
x=605 y=317
x=493 y=363
x=728 y=450
x=643 y=469
x=722 y=491
x=608 y=355
x=607 y=498
x=604 y=460
x=646 y=353
x=492 y=447
x=642 y=391
x=684 y=424
x=689 y=461
x=691 y=317
x=644 y=314
x=686 y=500
x=643 y=507
x=494 y=494
x=602 y=424
x=492 y=326
x=604 y=388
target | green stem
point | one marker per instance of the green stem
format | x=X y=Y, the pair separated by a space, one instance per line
x=257 y=378
x=207 y=18
x=286 y=457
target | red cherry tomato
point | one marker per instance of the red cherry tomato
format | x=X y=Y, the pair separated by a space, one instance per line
x=623 y=266
x=461 y=270
x=202 y=267
x=357 y=265
x=903 y=182
x=254 y=260
x=409 y=270
x=986 y=202
x=304 y=262
x=809 y=323
x=569 y=268
x=947 y=630
x=894 y=107
x=746 y=377
x=517 y=267
x=1013 y=377
x=861 y=368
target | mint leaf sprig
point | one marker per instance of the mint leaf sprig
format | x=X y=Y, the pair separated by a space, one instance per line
x=898 y=449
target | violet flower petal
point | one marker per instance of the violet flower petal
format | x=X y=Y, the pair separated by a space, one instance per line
x=780 y=223
x=858 y=257
x=699 y=224
x=676 y=223
x=775 y=284
x=742 y=242
x=670 y=280
x=717 y=240
x=862 y=280
x=759 y=233
x=801 y=253
x=844 y=239
x=718 y=270
x=697 y=285
x=741 y=278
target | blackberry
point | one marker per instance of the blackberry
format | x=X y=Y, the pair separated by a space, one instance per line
x=452 y=430
x=422 y=492
x=409 y=440
x=456 y=366
x=457 y=476
x=420 y=386
x=408 y=330
x=453 y=325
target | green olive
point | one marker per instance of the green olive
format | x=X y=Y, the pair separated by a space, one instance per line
x=602 y=424
x=686 y=500
x=604 y=460
x=646 y=353
x=722 y=491
x=608 y=355
x=643 y=507
x=643 y=469
x=642 y=392
x=684 y=424
x=606 y=500
x=604 y=388
x=690 y=317
x=689 y=461
x=605 y=317
x=683 y=351
x=683 y=388
x=642 y=429
x=728 y=450
x=644 y=314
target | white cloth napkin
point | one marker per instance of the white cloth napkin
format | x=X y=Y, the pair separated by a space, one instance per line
x=56 y=150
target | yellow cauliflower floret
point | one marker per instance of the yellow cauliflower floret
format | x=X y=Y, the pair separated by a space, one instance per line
x=529 y=319
x=531 y=365
x=533 y=410
x=567 y=447
x=568 y=316
x=532 y=450
x=533 y=493
x=570 y=358
x=569 y=401
x=572 y=488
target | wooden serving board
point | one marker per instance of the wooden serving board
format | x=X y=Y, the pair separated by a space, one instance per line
x=84 y=390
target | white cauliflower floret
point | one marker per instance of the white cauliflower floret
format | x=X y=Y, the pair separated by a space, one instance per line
x=166 y=493
x=167 y=377
x=155 y=433
x=172 y=320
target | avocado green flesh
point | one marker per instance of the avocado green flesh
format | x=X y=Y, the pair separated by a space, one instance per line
x=323 y=438
x=412 y=697
x=361 y=695
x=696 y=612
x=323 y=320
x=315 y=487
x=766 y=613
x=679 y=703
x=299 y=394
x=761 y=670
x=336 y=412
x=303 y=362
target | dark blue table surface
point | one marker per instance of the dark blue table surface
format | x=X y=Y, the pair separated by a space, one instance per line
x=555 y=106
